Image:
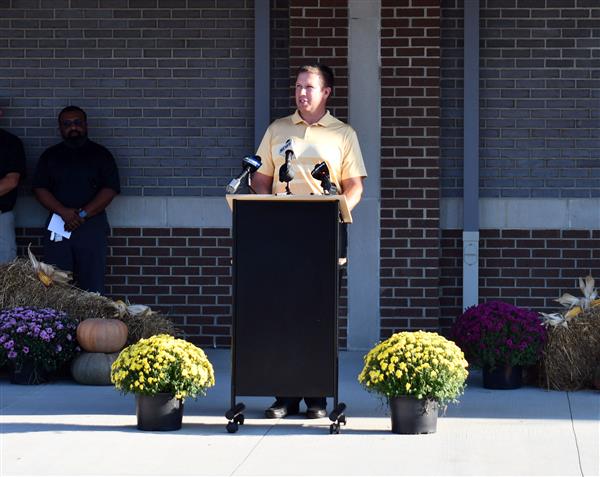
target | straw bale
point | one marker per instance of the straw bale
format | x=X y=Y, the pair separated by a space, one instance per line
x=20 y=286
x=572 y=354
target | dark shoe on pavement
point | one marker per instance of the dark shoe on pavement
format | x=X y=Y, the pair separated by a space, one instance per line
x=316 y=407
x=315 y=412
x=281 y=408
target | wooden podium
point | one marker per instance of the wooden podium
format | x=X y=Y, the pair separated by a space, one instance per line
x=285 y=295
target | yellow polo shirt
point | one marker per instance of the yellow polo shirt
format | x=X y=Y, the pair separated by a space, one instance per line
x=328 y=140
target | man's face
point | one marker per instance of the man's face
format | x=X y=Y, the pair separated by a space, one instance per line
x=311 y=96
x=72 y=125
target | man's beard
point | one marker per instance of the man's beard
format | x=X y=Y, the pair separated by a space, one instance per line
x=75 y=141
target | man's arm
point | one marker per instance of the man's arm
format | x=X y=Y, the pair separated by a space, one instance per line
x=100 y=201
x=352 y=188
x=9 y=182
x=261 y=183
x=70 y=216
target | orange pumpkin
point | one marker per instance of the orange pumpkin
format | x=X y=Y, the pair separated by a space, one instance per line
x=100 y=335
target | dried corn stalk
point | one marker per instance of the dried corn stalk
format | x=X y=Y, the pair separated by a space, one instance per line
x=47 y=274
x=576 y=305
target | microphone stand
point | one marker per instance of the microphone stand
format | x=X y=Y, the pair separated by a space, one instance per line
x=250 y=184
x=286 y=173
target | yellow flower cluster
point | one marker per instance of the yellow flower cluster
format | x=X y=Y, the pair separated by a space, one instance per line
x=163 y=363
x=420 y=364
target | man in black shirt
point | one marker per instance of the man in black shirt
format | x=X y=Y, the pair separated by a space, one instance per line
x=12 y=170
x=77 y=179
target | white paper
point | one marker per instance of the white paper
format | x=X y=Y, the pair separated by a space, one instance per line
x=57 y=225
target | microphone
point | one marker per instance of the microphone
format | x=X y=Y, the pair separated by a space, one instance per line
x=286 y=172
x=250 y=164
x=321 y=173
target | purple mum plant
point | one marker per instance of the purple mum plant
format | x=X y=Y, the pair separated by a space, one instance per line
x=44 y=336
x=495 y=334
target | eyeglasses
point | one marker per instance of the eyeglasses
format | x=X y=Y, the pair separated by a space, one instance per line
x=299 y=87
x=72 y=122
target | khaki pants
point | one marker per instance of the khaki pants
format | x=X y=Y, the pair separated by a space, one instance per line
x=8 y=245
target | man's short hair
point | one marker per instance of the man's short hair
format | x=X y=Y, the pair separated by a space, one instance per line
x=324 y=71
x=71 y=109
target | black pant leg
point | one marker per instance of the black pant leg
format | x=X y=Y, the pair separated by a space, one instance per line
x=89 y=245
x=316 y=402
x=58 y=254
x=90 y=263
x=343 y=240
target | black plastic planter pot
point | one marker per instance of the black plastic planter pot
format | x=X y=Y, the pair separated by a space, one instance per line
x=413 y=416
x=161 y=412
x=27 y=373
x=503 y=377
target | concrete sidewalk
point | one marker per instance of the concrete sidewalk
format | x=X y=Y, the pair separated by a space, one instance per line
x=68 y=429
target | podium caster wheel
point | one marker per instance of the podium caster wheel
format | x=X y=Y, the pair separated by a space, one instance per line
x=232 y=427
x=235 y=411
x=338 y=412
x=235 y=417
x=338 y=417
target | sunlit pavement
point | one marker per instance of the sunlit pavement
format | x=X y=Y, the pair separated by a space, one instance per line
x=68 y=429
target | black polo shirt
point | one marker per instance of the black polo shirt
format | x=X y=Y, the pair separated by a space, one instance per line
x=74 y=175
x=12 y=159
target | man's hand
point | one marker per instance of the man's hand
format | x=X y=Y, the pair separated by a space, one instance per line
x=71 y=218
x=261 y=183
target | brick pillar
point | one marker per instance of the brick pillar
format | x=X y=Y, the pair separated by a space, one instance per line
x=410 y=165
x=319 y=33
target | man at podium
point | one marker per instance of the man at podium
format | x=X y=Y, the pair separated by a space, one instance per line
x=299 y=142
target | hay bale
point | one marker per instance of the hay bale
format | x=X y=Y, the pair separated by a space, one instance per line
x=20 y=286
x=572 y=354
x=145 y=326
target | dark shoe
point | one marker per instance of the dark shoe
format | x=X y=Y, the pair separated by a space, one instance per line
x=315 y=412
x=281 y=408
x=316 y=408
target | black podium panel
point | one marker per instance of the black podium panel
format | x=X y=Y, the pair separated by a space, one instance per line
x=285 y=298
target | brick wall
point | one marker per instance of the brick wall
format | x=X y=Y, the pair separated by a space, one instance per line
x=539 y=98
x=409 y=164
x=528 y=268
x=281 y=87
x=319 y=33
x=184 y=273
x=167 y=84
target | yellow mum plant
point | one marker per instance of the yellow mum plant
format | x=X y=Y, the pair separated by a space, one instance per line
x=163 y=364
x=420 y=364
